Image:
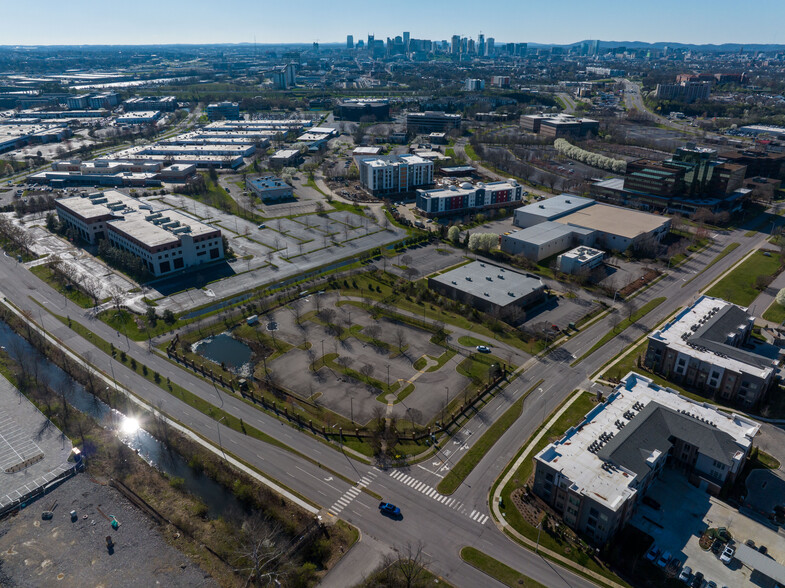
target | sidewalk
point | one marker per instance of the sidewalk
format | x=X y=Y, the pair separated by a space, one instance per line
x=363 y=558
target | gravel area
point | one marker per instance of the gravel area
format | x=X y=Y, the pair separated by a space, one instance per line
x=36 y=552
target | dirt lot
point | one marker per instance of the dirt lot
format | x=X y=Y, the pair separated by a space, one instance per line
x=60 y=552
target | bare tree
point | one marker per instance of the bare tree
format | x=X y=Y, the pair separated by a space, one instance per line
x=400 y=339
x=367 y=371
x=260 y=554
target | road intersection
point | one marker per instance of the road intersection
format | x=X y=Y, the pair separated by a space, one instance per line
x=443 y=523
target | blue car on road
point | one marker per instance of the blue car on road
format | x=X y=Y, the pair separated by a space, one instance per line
x=389 y=509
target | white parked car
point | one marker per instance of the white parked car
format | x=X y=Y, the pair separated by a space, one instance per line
x=727 y=554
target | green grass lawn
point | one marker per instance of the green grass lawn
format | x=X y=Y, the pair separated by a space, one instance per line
x=73 y=294
x=739 y=285
x=471 y=154
x=571 y=417
x=136 y=327
x=719 y=257
x=472 y=457
x=775 y=313
x=636 y=316
x=497 y=570
x=472 y=341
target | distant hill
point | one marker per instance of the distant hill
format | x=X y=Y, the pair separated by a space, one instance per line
x=723 y=48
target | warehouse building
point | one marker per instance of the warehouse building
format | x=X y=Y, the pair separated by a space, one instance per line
x=466 y=198
x=597 y=474
x=614 y=228
x=491 y=289
x=544 y=240
x=167 y=241
x=708 y=347
x=286 y=157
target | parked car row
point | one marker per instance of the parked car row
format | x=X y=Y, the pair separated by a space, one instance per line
x=664 y=559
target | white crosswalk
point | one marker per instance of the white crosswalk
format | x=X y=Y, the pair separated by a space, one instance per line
x=352 y=493
x=441 y=498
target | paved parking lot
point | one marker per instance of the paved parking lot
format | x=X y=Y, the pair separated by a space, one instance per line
x=347 y=396
x=685 y=513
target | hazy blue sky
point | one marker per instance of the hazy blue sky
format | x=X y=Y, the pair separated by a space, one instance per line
x=48 y=22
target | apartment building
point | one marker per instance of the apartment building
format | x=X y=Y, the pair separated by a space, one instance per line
x=394 y=174
x=708 y=347
x=452 y=200
x=597 y=474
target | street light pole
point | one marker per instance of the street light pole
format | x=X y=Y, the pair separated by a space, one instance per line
x=539 y=530
x=220 y=443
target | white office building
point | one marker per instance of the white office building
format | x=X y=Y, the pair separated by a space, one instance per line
x=166 y=240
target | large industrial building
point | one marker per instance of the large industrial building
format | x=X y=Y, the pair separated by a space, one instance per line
x=490 y=288
x=394 y=174
x=708 y=347
x=466 y=198
x=431 y=121
x=559 y=125
x=544 y=240
x=166 y=241
x=16 y=136
x=692 y=179
x=585 y=222
x=597 y=474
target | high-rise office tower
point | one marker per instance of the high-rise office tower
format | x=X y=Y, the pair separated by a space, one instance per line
x=406 y=41
x=349 y=42
x=481 y=45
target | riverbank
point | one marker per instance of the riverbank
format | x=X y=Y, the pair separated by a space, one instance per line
x=212 y=543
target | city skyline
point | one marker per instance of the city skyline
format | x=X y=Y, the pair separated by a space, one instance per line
x=180 y=22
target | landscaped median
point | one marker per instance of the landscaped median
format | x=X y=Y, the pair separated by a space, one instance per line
x=497 y=570
x=469 y=461
x=631 y=320
x=564 y=547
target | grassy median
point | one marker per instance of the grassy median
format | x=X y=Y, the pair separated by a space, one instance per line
x=497 y=570
x=469 y=461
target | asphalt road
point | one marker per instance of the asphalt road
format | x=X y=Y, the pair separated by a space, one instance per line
x=444 y=525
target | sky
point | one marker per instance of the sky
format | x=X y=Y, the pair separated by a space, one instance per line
x=87 y=22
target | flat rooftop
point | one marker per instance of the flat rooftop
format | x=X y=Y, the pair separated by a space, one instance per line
x=614 y=220
x=26 y=437
x=702 y=332
x=484 y=280
x=543 y=233
x=552 y=208
x=583 y=253
x=130 y=218
x=286 y=153
x=634 y=423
